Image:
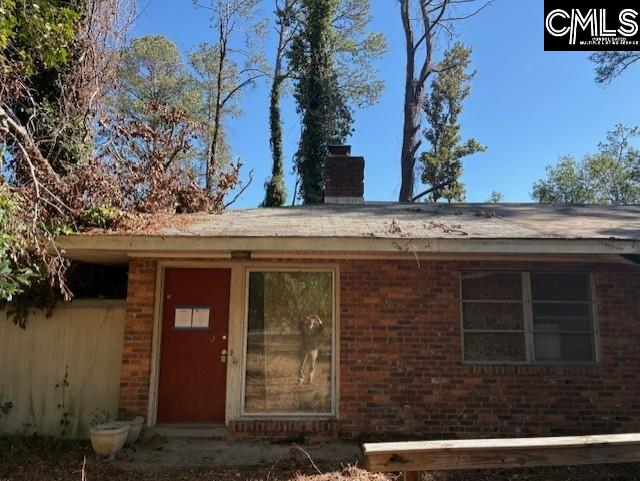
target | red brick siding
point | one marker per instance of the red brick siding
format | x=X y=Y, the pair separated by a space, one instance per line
x=401 y=370
x=138 y=334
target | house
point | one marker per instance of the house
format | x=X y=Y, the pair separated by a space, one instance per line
x=356 y=318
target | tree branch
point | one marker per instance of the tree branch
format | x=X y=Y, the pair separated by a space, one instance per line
x=240 y=86
x=244 y=187
x=440 y=186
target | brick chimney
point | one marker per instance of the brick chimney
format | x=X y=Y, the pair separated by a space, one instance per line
x=343 y=176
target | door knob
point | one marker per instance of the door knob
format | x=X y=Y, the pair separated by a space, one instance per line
x=223 y=356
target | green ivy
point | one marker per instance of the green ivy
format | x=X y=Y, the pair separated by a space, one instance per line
x=35 y=34
x=326 y=115
x=103 y=216
x=15 y=278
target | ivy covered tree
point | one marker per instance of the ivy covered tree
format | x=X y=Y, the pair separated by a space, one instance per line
x=442 y=163
x=287 y=21
x=610 y=176
x=326 y=117
x=353 y=49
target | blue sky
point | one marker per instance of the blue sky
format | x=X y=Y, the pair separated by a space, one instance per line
x=527 y=106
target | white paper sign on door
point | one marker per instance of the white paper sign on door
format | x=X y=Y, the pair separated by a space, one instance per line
x=200 y=317
x=183 y=317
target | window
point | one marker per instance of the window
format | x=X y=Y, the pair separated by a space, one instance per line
x=95 y=281
x=529 y=317
x=289 y=343
x=563 y=328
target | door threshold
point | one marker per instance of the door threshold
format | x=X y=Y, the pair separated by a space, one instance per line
x=188 y=430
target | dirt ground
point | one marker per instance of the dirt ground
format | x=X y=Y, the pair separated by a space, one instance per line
x=44 y=459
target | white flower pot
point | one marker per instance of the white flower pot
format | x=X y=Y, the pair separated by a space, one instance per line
x=107 y=439
x=135 y=428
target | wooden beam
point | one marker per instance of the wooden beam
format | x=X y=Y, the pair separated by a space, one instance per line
x=502 y=453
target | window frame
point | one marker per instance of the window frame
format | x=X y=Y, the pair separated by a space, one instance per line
x=528 y=325
x=334 y=346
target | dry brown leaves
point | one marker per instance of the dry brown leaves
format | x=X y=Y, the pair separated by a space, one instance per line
x=44 y=459
x=135 y=180
x=350 y=473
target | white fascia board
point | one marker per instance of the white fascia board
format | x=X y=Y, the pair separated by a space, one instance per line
x=116 y=245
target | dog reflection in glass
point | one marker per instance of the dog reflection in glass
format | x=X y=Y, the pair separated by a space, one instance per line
x=310 y=333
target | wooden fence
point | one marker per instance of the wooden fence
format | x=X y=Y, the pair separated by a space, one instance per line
x=61 y=370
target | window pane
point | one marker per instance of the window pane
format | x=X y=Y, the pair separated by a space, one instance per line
x=492 y=315
x=560 y=287
x=494 y=347
x=561 y=317
x=564 y=347
x=289 y=336
x=491 y=286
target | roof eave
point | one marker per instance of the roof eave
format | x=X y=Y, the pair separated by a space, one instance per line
x=118 y=248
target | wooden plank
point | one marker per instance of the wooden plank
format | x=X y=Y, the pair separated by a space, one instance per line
x=502 y=453
x=235 y=343
x=561 y=441
x=413 y=476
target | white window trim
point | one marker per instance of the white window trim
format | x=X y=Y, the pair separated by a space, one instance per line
x=527 y=306
x=244 y=415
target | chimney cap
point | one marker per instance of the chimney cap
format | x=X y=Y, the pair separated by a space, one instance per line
x=339 y=149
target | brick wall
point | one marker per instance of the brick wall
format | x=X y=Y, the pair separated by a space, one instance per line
x=322 y=429
x=401 y=370
x=138 y=335
x=344 y=176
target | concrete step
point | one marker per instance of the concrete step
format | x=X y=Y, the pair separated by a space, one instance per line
x=209 y=431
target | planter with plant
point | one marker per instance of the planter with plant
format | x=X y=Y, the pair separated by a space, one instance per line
x=107 y=437
x=135 y=423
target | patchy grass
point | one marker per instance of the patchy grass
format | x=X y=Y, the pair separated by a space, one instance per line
x=46 y=459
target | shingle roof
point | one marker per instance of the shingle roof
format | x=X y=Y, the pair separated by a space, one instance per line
x=418 y=221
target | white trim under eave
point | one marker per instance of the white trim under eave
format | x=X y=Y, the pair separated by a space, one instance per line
x=83 y=246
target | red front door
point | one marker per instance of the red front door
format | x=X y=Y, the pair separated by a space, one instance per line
x=193 y=369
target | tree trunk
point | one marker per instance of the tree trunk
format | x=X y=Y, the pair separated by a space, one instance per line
x=213 y=150
x=413 y=91
x=410 y=141
x=276 y=194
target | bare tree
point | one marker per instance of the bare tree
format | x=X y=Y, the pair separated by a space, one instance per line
x=238 y=62
x=424 y=23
